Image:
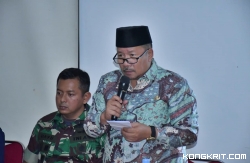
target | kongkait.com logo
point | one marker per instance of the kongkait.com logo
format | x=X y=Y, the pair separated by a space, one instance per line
x=215 y=156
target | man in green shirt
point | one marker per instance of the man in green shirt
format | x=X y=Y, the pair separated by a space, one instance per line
x=159 y=104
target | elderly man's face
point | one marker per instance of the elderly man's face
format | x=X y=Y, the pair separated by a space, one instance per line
x=136 y=70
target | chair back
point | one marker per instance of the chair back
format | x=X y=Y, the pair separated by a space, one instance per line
x=2 y=139
x=13 y=152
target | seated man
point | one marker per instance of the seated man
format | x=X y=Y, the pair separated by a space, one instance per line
x=59 y=136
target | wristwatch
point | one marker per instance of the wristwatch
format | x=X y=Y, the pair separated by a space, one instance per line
x=153 y=133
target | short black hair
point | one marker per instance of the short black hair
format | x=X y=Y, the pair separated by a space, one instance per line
x=76 y=73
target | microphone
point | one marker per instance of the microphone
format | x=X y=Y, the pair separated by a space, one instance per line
x=122 y=90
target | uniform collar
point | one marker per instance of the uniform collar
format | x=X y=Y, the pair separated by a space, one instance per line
x=58 y=117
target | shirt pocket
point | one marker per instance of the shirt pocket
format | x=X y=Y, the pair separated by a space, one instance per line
x=81 y=144
x=154 y=113
x=46 y=143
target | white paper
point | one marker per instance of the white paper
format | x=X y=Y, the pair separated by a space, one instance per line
x=118 y=125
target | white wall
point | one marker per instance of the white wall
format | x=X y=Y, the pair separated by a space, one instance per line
x=38 y=39
x=207 y=42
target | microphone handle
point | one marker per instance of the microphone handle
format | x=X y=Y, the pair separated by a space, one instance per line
x=113 y=118
x=122 y=95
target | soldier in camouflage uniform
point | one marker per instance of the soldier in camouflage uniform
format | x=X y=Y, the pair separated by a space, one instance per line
x=59 y=137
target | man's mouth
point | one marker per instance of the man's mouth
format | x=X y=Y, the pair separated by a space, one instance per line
x=63 y=107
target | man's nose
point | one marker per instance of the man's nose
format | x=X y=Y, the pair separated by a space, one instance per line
x=63 y=97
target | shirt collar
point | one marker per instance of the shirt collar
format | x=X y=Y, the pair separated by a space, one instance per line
x=152 y=71
x=58 y=117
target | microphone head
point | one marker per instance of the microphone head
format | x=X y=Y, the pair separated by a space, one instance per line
x=124 y=83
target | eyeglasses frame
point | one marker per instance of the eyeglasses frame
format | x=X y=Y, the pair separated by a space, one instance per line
x=126 y=59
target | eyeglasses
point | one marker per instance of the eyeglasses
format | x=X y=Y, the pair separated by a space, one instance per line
x=131 y=60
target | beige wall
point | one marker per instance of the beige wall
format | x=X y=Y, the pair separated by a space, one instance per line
x=207 y=42
x=38 y=39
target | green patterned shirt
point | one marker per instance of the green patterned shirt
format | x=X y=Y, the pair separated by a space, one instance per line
x=162 y=99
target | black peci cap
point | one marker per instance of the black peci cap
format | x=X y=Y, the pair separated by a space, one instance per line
x=132 y=36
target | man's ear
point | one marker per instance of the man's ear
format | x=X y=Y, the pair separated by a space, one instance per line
x=86 y=97
x=150 y=54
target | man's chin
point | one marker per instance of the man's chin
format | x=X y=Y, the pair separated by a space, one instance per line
x=129 y=74
x=131 y=77
x=63 y=112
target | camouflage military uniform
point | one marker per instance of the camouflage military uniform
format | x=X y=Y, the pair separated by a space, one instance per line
x=54 y=141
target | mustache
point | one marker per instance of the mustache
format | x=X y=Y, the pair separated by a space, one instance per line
x=127 y=69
